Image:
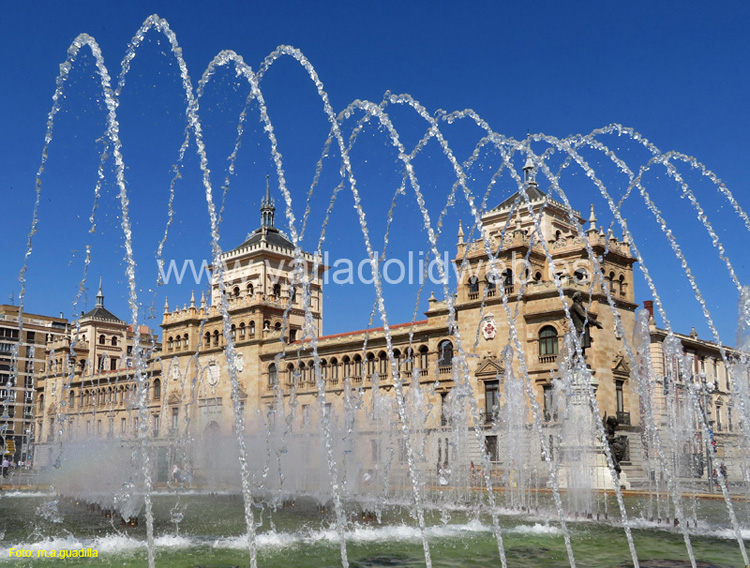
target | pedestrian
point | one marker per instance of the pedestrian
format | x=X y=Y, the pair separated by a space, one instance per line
x=6 y=465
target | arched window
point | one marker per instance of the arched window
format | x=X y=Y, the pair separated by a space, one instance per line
x=491 y=284
x=157 y=389
x=537 y=276
x=102 y=340
x=177 y=342
x=273 y=378
x=423 y=359
x=611 y=282
x=233 y=332
x=114 y=341
x=473 y=285
x=623 y=286
x=383 y=367
x=303 y=372
x=41 y=402
x=207 y=339
x=357 y=374
x=185 y=341
x=445 y=353
x=370 y=364
x=334 y=369
x=292 y=294
x=277 y=290
x=507 y=278
x=250 y=289
x=290 y=373
x=347 y=366
x=242 y=330
x=252 y=328
x=581 y=276
x=324 y=369
x=266 y=325
x=547 y=341
x=409 y=360
x=216 y=338
x=236 y=292
x=277 y=326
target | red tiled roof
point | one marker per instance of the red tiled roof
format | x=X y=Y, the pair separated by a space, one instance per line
x=390 y=327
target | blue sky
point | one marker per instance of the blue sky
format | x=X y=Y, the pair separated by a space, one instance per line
x=676 y=74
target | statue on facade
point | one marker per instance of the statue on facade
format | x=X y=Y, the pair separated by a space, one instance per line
x=583 y=320
x=617 y=444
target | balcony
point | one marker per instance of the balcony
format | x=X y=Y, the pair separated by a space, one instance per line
x=623 y=418
x=547 y=359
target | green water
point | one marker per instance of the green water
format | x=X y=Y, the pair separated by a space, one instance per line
x=211 y=530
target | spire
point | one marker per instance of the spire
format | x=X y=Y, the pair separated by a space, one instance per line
x=100 y=295
x=267 y=208
x=460 y=233
x=192 y=299
x=592 y=218
x=166 y=305
x=529 y=176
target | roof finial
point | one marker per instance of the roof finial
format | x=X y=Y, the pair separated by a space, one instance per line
x=592 y=218
x=192 y=299
x=166 y=305
x=460 y=233
x=528 y=171
x=267 y=208
x=100 y=294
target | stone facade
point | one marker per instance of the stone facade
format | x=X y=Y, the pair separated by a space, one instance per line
x=532 y=258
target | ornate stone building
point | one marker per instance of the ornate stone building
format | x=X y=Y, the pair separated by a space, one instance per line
x=516 y=288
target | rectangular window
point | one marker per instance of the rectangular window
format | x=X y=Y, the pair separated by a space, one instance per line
x=718 y=418
x=175 y=418
x=730 y=426
x=113 y=364
x=88 y=427
x=123 y=425
x=548 y=403
x=305 y=414
x=443 y=408
x=620 y=398
x=111 y=431
x=156 y=425
x=490 y=446
x=98 y=427
x=491 y=400
x=375 y=450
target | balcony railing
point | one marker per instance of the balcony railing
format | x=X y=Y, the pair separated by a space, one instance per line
x=473 y=295
x=546 y=359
